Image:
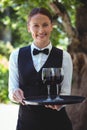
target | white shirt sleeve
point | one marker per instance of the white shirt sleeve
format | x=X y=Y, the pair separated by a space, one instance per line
x=68 y=69
x=67 y=82
x=13 y=81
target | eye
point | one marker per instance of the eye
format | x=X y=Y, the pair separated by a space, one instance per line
x=35 y=25
x=45 y=25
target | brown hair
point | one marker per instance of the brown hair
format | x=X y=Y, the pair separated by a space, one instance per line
x=40 y=10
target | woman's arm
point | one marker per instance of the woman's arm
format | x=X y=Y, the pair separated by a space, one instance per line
x=15 y=93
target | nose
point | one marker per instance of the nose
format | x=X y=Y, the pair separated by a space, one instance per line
x=41 y=29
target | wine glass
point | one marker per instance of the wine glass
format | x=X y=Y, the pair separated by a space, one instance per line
x=59 y=76
x=52 y=76
x=47 y=78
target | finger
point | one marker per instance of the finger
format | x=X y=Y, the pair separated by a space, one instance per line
x=50 y=106
x=18 y=100
x=58 y=107
x=18 y=95
x=21 y=93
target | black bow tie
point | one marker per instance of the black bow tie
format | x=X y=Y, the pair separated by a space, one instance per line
x=45 y=51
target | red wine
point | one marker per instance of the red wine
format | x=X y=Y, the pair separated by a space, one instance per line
x=47 y=80
x=59 y=79
x=53 y=80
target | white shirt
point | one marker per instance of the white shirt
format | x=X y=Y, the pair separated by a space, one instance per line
x=38 y=61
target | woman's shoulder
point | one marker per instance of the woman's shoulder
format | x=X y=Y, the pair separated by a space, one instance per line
x=66 y=54
x=15 y=51
x=67 y=59
x=14 y=54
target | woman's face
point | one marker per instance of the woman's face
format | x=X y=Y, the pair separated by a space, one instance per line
x=40 y=27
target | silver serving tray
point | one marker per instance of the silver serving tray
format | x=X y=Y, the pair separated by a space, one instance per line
x=41 y=100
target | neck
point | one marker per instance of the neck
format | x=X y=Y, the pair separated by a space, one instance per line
x=41 y=45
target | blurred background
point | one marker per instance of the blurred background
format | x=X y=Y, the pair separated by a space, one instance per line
x=69 y=33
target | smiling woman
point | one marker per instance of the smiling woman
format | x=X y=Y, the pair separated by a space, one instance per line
x=25 y=70
x=40 y=27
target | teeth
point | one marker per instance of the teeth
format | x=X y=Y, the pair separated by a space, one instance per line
x=42 y=35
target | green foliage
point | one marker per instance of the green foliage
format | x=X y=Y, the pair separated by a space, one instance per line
x=3 y=84
x=5 y=49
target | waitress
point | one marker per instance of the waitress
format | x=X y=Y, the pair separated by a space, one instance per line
x=25 y=67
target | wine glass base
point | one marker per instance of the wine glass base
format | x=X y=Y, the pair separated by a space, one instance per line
x=58 y=99
x=48 y=100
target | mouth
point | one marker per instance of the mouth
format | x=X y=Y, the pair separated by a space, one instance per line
x=41 y=35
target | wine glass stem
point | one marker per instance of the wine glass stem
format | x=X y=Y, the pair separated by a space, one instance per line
x=48 y=89
x=58 y=92
x=57 y=86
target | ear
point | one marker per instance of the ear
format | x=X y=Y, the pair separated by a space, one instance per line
x=28 y=29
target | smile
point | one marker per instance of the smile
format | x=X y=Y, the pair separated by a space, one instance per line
x=41 y=35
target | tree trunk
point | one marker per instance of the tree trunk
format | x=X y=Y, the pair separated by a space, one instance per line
x=78 y=50
x=78 y=112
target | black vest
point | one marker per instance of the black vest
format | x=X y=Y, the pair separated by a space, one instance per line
x=29 y=79
x=38 y=117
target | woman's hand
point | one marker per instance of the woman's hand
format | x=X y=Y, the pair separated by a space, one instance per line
x=18 y=96
x=54 y=107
